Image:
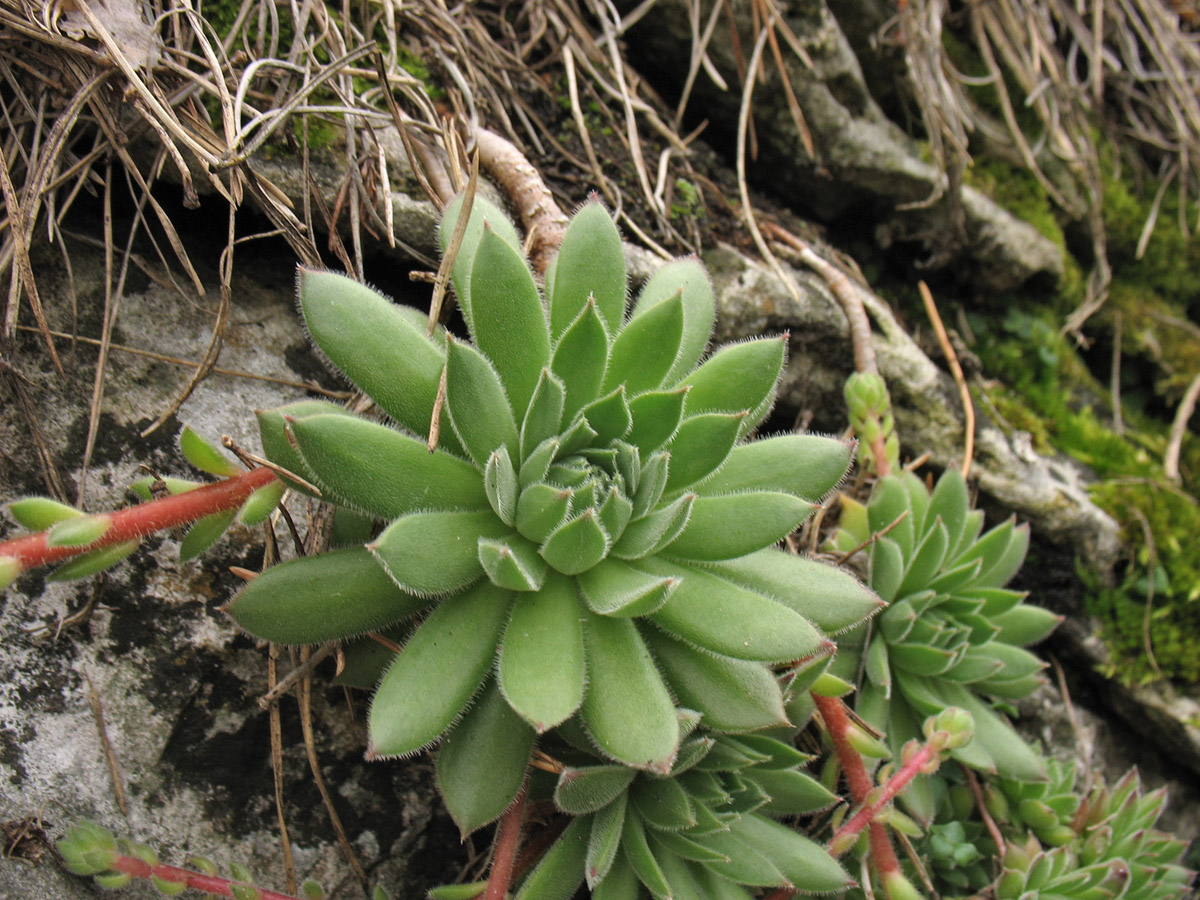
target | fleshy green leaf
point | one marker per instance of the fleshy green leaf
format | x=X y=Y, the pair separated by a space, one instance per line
x=542 y=657
x=467 y=891
x=801 y=861
x=507 y=319
x=140 y=486
x=737 y=377
x=78 y=531
x=686 y=848
x=647 y=535
x=609 y=416
x=366 y=659
x=39 y=513
x=576 y=545
x=641 y=857
x=274 y=426
x=543 y=418
x=482 y=761
x=536 y=464
x=926 y=560
x=827 y=596
x=261 y=504
x=651 y=484
x=512 y=562
x=321 y=598
x=887 y=568
x=614 y=588
x=477 y=404
x=482 y=210
x=627 y=709
x=615 y=512
x=807 y=465
x=88 y=848
x=621 y=882
x=1025 y=624
x=541 y=508
x=1009 y=562
x=745 y=863
x=591 y=788
x=732 y=694
x=731 y=620
x=580 y=358
x=680 y=874
x=205 y=455
x=700 y=446
x=560 y=872
x=699 y=309
x=10 y=568
x=371 y=467
x=656 y=416
x=433 y=553
x=500 y=484
x=949 y=501
x=93 y=561
x=732 y=525
x=663 y=804
x=204 y=533
x=891 y=508
x=438 y=671
x=646 y=348
x=605 y=839
x=1013 y=757
x=793 y=793
x=376 y=345
x=590 y=265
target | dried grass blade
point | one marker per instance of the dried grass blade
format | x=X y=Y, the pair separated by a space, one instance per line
x=19 y=230
x=442 y=280
x=218 y=334
x=743 y=187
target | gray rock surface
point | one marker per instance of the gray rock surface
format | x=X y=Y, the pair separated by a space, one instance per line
x=928 y=410
x=177 y=684
x=865 y=171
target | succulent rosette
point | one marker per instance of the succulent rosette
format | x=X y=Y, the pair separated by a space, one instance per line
x=593 y=538
x=1116 y=852
x=954 y=635
x=705 y=829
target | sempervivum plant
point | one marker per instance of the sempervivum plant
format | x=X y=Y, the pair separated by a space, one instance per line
x=699 y=831
x=592 y=536
x=1116 y=852
x=953 y=631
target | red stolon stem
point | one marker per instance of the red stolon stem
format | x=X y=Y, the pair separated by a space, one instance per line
x=138 y=521
x=837 y=721
x=213 y=884
x=508 y=841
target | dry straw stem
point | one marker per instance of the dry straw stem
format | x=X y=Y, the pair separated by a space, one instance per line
x=845 y=291
x=110 y=755
x=276 y=729
x=964 y=391
x=743 y=187
x=1183 y=415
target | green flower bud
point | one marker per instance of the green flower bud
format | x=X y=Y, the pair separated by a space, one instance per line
x=88 y=849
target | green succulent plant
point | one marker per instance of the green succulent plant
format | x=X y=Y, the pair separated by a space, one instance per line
x=1046 y=808
x=953 y=634
x=592 y=538
x=703 y=830
x=1116 y=852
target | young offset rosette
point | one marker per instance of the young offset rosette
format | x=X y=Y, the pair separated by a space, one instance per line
x=693 y=831
x=592 y=536
x=954 y=634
